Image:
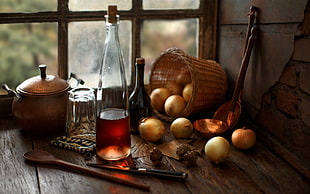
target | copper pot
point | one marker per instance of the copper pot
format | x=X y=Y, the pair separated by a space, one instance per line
x=40 y=103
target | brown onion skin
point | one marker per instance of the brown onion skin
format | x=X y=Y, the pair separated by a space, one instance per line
x=158 y=98
x=243 y=138
x=151 y=129
x=217 y=149
x=174 y=88
x=174 y=105
x=187 y=92
x=184 y=78
x=181 y=128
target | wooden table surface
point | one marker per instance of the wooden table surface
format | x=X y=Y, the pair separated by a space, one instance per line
x=253 y=171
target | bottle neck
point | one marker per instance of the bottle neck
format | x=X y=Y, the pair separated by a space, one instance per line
x=112 y=27
x=139 y=75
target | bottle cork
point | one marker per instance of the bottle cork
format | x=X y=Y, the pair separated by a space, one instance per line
x=140 y=60
x=112 y=12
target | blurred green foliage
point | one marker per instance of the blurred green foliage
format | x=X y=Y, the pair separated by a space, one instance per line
x=24 y=46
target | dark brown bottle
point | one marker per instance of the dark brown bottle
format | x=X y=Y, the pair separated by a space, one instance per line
x=139 y=100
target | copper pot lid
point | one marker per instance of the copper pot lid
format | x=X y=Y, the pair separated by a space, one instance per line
x=43 y=85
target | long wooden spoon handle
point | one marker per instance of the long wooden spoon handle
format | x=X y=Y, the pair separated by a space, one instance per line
x=251 y=15
x=243 y=69
x=251 y=20
x=102 y=175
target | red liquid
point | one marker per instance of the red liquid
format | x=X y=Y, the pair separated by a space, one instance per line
x=113 y=135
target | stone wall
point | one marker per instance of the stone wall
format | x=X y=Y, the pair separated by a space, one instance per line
x=285 y=110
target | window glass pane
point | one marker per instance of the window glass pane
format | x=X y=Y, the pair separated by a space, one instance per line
x=182 y=34
x=25 y=46
x=95 y=5
x=27 y=5
x=86 y=40
x=170 y=4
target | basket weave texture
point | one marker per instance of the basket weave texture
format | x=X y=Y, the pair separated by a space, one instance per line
x=208 y=78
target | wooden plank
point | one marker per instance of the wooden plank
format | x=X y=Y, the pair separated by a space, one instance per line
x=268 y=171
x=280 y=11
x=200 y=179
x=59 y=180
x=254 y=171
x=17 y=176
x=205 y=177
x=225 y=177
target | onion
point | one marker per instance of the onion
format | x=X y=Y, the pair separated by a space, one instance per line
x=184 y=78
x=217 y=149
x=174 y=105
x=151 y=129
x=158 y=98
x=243 y=138
x=187 y=92
x=174 y=88
x=181 y=128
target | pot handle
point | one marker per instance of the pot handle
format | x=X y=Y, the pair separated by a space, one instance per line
x=42 y=68
x=11 y=92
x=78 y=80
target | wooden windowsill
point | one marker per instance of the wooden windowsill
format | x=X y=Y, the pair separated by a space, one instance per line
x=258 y=170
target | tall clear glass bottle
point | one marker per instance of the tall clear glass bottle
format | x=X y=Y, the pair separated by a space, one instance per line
x=139 y=100
x=112 y=125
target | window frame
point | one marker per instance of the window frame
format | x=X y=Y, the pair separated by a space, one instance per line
x=206 y=14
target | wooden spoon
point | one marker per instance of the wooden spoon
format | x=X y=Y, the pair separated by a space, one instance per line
x=43 y=157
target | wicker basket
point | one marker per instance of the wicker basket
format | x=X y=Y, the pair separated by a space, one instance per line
x=208 y=79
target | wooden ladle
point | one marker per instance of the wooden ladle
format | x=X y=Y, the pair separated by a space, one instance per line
x=43 y=157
